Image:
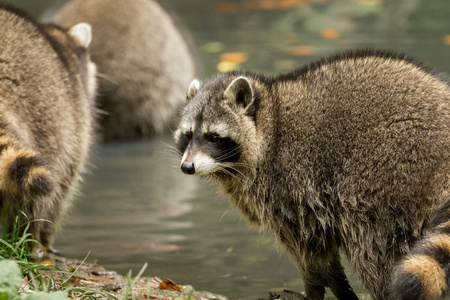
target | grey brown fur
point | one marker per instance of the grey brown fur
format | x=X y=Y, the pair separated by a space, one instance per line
x=350 y=153
x=47 y=87
x=144 y=62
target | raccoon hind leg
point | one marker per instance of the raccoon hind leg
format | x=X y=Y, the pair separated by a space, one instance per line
x=326 y=272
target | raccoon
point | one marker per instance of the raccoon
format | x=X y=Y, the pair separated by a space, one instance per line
x=350 y=153
x=146 y=64
x=47 y=91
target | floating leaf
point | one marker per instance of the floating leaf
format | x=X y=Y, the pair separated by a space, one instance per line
x=226 y=66
x=447 y=39
x=226 y=7
x=273 y=4
x=302 y=51
x=234 y=57
x=330 y=34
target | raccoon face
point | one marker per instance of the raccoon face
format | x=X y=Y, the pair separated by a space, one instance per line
x=216 y=127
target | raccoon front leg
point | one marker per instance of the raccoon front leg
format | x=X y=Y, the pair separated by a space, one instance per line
x=327 y=271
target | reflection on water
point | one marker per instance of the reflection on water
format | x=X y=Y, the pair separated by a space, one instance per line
x=136 y=205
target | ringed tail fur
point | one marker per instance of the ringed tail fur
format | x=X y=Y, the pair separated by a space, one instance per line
x=22 y=171
x=424 y=273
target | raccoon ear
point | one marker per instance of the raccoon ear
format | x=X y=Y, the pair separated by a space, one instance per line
x=82 y=32
x=192 y=89
x=240 y=92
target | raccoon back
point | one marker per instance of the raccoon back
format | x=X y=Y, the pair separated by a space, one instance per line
x=145 y=61
x=43 y=105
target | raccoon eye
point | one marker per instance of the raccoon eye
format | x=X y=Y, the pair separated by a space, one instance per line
x=212 y=137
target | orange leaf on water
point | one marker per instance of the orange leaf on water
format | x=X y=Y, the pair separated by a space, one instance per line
x=302 y=51
x=330 y=34
x=234 y=57
x=226 y=7
x=447 y=39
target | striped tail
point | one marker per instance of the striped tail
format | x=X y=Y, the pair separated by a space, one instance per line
x=424 y=273
x=22 y=171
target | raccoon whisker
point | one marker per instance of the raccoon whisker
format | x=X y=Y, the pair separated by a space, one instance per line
x=237 y=164
x=171 y=148
x=107 y=78
x=172 y=155
x=170 y=123
x=171 y=151
x=224 y=170
x=101 y=111
x=171 y=159
x=228 y=154
x=237 y=171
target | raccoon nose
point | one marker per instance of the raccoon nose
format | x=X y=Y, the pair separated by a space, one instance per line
x=188 y=168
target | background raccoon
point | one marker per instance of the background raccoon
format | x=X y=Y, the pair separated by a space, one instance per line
x=146 y=62
x=349 y=153
x=47 y=86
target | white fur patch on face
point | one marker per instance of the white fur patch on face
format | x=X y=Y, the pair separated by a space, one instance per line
x=176 y=135
x=186 y=127
x=184 y=157
x=182 y=128
x=221 y=129
x=204 y=164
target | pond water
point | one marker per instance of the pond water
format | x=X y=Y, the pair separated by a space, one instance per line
x=136 y=206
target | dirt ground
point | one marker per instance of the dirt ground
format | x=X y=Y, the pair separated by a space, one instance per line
x=92 y=277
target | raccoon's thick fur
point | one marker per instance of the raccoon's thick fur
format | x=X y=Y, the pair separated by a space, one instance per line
x=146 y=63
x=47 y=87
x=349 y=153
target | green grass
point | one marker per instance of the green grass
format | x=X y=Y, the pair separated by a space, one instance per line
x=16 y=248
x=127 y=292
x=15 y=258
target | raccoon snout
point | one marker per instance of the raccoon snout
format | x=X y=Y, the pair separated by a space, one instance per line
x=188 y=168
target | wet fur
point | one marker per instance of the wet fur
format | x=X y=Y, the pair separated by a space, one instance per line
x=47 y=88
x=348 y=153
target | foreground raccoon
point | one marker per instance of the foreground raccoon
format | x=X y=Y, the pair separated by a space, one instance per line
x=47 y=86
x=349 y=153
x=146 y=61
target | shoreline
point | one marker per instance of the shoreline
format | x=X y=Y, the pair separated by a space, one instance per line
x=92 y=276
